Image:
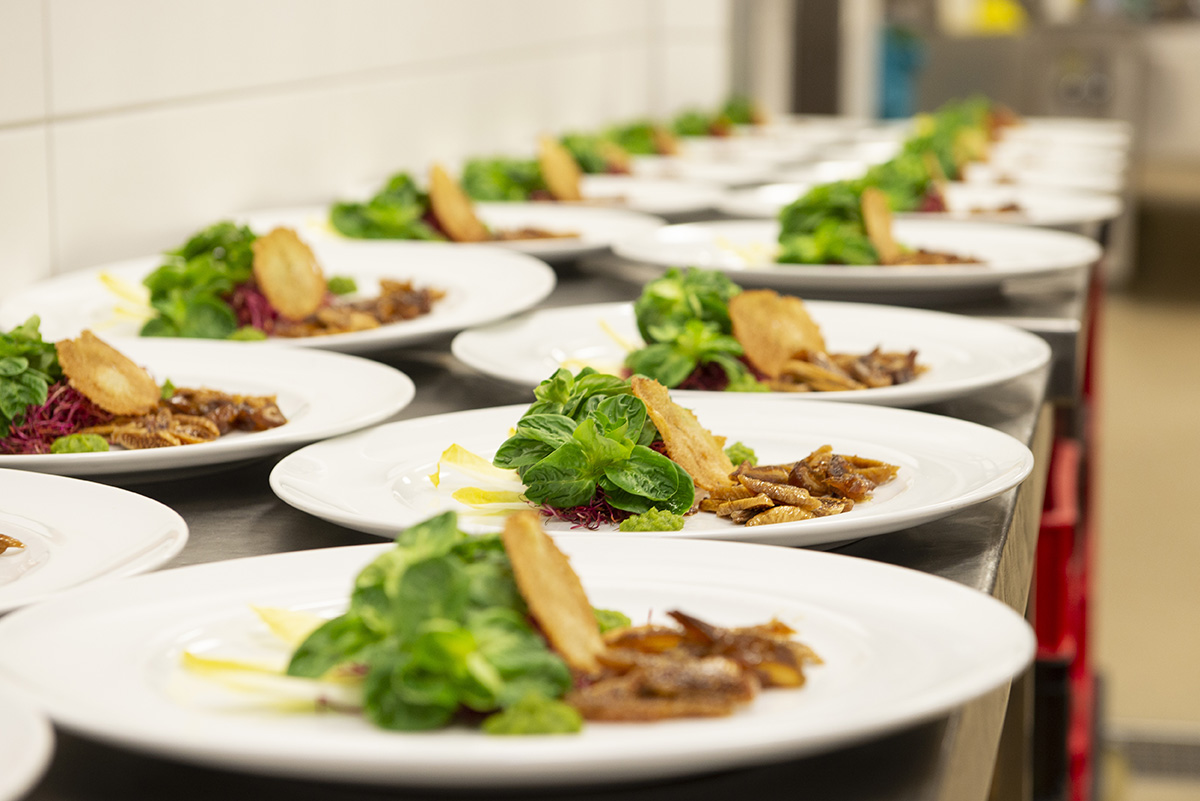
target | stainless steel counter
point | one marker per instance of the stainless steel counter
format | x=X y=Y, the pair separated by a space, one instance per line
x=989 y=547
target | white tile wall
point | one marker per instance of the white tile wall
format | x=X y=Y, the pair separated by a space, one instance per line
x=24 y=209
x=22 y=83
x=163 y=117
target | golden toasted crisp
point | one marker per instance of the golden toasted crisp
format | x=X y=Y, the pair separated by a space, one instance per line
x=287 y=272
x=454 y=211
x=615 y=157
x=553 y=592
x=772 y=329
x=664 y=141
x=689 y=444
x=560 y=171
x=105 y=376
x=877 y=217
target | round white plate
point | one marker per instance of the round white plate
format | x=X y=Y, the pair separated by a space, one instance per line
x=377 y=481
x=745 y=249
x=322 y=395
x=1071 y=130
x=772 y=152
x=481 y=285
x=963 y=354
x=722 y=173
x=1046 y=176
x=27 y=742
x=1040 y=206
x=76 y=532
x=597 y=228
x=825 y=171
x=899 y=647
x=651 y=195
x=1057 y=157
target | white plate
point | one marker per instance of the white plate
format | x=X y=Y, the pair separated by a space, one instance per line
x=597 y=228
x=1048 y=176
x=1071 y=130
x=1040 y=206
x=772 y=152
x=651 y=195
x=963 y=354
x=722 y=173
x=321 y=394
x=481 y=285
x=823 y=172
x=746 y=251
x=377 y=481
x=900 y=647
x=27 y=742
x=77 y=532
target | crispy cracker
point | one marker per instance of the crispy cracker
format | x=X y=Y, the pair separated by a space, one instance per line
x=877 y=218
x=106 y=376
x=454 y=211
x=553 y=592
x=287 y=272
x=689 y=444
x=772 y=329
x=560 y=171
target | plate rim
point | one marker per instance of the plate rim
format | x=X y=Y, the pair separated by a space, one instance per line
x=814 y=534
x=230 y=453
x=517 y=769
x=165 y=547
x=460 y=348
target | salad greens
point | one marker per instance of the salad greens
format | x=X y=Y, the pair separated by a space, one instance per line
x=825 y=226
x=502 y=179
x=437 y=625
x=28 y=366
x=188 y=290
x=398 y=211
x=637 y=138
x=586 y=436
x=741 y=110
x=588 y=150
x=697 y=122
x=684 y=319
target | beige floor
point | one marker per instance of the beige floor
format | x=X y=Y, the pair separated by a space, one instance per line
x=1146 y=607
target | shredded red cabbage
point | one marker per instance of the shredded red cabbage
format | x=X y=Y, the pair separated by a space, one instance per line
x=65 y=411
x=933 y=201
x=591 y=515
x=252 y=307
x=708 y=376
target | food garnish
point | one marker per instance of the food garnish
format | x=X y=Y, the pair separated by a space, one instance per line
x=82 y=395
x=454 y=211
x=704 y=332
x=228 y=283
x=560 y=170
x=7 y=542
x=446 y=628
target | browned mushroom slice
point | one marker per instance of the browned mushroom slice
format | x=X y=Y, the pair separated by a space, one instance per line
x=7 y=542
x=288 y=274
x=454 y=211
x=781 y=493
x=560 y=171
x=105 y=376
x=755 y=503
x=553 y=592
x=780 y=514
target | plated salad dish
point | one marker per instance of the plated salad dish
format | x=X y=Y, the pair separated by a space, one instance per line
x=497 y=632
x=226 y=282
x=702 y=331
x=595 y=449
x=82 y=395
x=402 y=210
